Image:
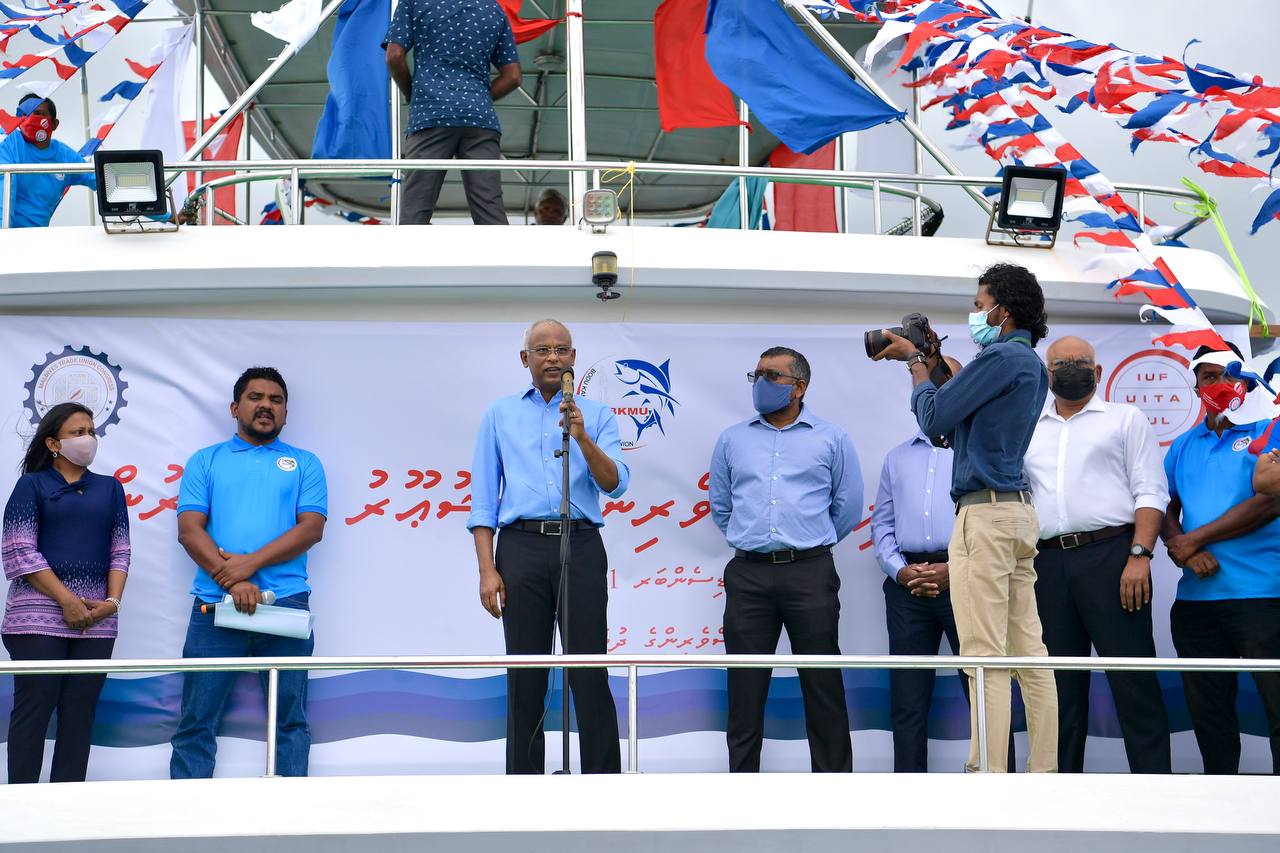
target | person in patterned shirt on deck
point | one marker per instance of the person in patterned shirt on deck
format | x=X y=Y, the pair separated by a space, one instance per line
x=451 y=98
x=65 y=549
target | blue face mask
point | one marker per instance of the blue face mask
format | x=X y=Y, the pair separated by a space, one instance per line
x=981 y=333
x=768 y=397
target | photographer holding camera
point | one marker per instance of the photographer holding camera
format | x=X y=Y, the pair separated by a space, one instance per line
x=988 y=414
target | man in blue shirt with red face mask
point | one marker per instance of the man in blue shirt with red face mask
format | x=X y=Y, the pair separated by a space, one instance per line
x=36 y=197
x=1225 y=538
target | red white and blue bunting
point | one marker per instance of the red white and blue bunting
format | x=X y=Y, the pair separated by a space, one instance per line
x=994 y=75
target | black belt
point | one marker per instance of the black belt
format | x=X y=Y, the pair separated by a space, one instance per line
x=1067 y=541
x=986 y=496
x=550 y=527
x=786 y=555
x=917 y=558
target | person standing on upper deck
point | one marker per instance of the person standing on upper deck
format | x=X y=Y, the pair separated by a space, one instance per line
x=36 y=197
x=451 y=97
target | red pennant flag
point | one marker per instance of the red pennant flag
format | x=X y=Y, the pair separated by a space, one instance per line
x=804 y=207
x=526 y=29
x=146 y=72
x=689 y=95
x=225 y=146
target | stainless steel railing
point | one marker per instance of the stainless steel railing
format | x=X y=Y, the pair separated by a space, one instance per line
x=633 y=665
x=880 y=183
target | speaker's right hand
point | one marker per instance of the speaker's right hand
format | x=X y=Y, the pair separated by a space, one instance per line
x=493 y=592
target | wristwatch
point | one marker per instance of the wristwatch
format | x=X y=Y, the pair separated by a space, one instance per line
x=1137 y=550
x=916 y=358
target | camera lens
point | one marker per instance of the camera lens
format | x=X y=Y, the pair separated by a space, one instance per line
x=875 y=341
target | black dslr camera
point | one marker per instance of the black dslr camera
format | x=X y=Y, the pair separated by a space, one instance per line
x=915 y=328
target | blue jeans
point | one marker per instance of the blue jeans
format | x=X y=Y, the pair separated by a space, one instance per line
x=205 y=694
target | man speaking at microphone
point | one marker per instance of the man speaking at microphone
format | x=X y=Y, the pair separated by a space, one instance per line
x=516 y=481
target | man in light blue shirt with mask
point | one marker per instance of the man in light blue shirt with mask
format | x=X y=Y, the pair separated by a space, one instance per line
x=785 y=487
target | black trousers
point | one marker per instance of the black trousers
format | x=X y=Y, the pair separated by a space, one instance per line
x=916 y=626
x=36 y=697
x=1078 y=596
x=760 y=599
x=1232 y=628
x=530 y=567
x=483 y=189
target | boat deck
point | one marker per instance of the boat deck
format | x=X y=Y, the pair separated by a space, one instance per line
x=705 y=812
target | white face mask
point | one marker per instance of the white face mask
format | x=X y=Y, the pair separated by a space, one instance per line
x=79 y=450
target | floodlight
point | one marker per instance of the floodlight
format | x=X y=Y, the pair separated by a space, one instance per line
x=599 y=209
x=1029 y=212
x=131 y=192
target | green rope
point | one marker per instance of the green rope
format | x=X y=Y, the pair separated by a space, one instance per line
x=1207 y=208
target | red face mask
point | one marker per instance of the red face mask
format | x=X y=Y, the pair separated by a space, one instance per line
x=37 y=129
x=1222 y=397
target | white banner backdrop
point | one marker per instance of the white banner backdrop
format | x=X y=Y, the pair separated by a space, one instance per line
x=391 y=409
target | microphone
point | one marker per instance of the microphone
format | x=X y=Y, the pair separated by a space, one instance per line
x=566 y=390
x=566 y=383
x=266 y=596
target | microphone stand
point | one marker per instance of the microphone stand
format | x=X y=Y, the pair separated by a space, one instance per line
x=563 y=604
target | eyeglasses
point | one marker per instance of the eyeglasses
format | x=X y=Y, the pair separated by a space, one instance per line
x=1057 y=363
x=544 y=352
x=771 y=375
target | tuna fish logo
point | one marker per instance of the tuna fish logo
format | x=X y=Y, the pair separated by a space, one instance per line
x=648 y=396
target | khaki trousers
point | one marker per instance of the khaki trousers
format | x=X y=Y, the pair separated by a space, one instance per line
x=993 y=578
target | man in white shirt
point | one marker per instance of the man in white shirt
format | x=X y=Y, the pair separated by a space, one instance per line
x=1098 y=480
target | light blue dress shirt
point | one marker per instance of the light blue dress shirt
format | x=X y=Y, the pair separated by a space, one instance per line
x=252 y=495
x=515 y=473
x=913 y=509
x=796 y=487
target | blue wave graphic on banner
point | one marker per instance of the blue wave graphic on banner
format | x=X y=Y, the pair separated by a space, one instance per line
x=144 y=711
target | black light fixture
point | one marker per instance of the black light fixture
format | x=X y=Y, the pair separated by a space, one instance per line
x=1029 y=212
x=132 y=197
x=604 y=274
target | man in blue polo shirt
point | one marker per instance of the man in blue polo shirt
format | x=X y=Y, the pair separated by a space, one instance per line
x=451 y=98
x=1226 y=538
x=248 y=511
x=36 y=197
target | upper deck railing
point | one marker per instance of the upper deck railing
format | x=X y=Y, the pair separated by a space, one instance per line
x=296 y=171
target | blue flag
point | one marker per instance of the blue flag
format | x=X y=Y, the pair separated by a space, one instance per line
x=756 y=50
x=356 y=123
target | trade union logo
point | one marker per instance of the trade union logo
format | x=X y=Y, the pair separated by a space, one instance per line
x=638 y=391
x=77 y=376
x=1158 y=382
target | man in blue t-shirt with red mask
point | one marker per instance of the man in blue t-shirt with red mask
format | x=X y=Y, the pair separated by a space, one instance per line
x=36 y=197
x=1225 y=538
